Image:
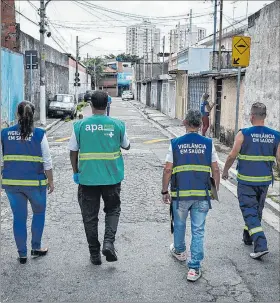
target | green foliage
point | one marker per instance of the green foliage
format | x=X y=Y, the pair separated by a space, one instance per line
x=95 y=67
x=81 y=105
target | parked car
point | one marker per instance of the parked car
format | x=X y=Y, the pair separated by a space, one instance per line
x=63 y=105
x=81 y=98
x=127 y=95
x=88 y=95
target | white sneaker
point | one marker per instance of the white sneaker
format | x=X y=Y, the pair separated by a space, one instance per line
x=258 y=255
x=179 y=256
x=193 y=274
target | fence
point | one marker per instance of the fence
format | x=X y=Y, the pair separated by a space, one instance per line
x=12 y=83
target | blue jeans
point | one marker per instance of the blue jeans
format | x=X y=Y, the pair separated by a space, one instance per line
x=108 y=109
x=18 y=201
x=198 y=212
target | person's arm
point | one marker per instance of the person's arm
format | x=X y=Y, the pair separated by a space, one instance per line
x=47 y=162
x=233 y=154
x=125 y=144
x=73 y=146
x=278 y=157
x=74 y=160
x=209 y=107
x=216 y=174
x=167 y=173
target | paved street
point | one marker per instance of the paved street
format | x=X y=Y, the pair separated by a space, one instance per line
x=145 y=271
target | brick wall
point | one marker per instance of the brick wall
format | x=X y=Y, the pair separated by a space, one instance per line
x=8 y=25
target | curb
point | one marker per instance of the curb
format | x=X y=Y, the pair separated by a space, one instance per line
x=273 y=206
x=48 y=127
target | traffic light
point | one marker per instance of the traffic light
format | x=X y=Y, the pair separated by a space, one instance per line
x=77 y=80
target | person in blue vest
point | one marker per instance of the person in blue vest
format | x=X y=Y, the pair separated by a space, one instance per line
x=256 y=148
x=26 y=174
x=109 y=104
x=205 y=109
x=190 y=161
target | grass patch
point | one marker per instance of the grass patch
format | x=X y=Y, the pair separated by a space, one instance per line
x=275 y=199
x=81 y=105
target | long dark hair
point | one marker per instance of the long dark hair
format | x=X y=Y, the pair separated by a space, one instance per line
x=25 y=113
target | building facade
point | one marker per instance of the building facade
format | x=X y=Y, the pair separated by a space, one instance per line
x=182 y=36
x=143 y=40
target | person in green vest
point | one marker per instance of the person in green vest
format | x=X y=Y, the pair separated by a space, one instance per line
x=98 y=166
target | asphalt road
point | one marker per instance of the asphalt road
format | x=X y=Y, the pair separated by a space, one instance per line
x=145 y=271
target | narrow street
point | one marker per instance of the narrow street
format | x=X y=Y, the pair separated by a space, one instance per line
x=145 y=272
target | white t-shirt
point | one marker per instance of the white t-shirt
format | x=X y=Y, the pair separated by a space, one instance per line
x=169 y=156
x=74 y=146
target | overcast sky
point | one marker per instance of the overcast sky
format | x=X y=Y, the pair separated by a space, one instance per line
x=70 y=18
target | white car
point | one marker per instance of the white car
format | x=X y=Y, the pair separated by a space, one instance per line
x=127 y=95
x=63 y=105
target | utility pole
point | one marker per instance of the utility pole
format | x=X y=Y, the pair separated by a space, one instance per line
x=215 y=26
x=94 y=72
x=87 y=70
x=152 y=55
x=220 y=36
x=237 y=100
x=190 y=39
x=42 y=62
x=163 y=50
x=77 y=66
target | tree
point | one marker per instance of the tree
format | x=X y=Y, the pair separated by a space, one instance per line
x=126 y=57
x=95 y=67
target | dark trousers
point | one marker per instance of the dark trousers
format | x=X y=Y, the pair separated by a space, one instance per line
x=251 y=202
x=108 y=110
x=89 y=200
x=205 y=125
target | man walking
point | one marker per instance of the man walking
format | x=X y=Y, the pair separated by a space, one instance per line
x=96 y=141
x=189 y=162
x=109 y=104
x=256 y=148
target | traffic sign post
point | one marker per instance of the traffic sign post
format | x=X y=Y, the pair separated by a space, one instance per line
x=31 y=62
x=240 y=58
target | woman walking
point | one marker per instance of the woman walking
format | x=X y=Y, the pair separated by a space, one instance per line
x=26 y=174
x=205 y=110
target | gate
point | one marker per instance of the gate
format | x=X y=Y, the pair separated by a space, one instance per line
x=164 y=97
x=197 y=86
x=159 y=88
x=172 y=99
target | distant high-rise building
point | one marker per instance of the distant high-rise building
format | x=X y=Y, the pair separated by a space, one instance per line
x=180 y=37
x=143 y=40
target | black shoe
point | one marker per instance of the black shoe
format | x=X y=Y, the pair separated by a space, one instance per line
x=109 y=252
x=35 y=253
x=22 y=260
x=96 y=259
x=246 y=238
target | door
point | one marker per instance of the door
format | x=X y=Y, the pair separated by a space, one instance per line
x=159 y=88
x=219 y=87
x=148 y=94
x=197 y=86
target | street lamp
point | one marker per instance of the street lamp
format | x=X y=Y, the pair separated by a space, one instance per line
x=77 y=61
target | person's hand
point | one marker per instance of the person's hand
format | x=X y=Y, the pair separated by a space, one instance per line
x=166 y=198
x=50 y=187
x=225 y=175
x=76 y=178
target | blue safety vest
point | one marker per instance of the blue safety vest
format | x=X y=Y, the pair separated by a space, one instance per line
x=23 y=162
x=257 y=155
x=192 y=157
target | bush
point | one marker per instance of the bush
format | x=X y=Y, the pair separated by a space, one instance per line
x=81 y=105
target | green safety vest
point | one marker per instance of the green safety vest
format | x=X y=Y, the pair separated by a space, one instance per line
x=100 y=159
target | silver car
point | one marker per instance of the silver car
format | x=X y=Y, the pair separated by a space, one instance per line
x=127 y=95
x=63 y=105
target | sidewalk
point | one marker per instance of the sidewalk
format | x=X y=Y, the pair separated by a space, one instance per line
x=49 y=123
x=176 y=129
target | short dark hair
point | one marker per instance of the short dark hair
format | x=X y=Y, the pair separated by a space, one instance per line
x=258 y=110
x=99 y=100
x=194 y=118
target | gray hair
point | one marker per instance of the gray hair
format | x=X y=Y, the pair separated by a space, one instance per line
x=258 y=110
x=194 y=118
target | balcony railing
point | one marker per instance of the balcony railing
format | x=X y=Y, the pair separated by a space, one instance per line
x=225 y=62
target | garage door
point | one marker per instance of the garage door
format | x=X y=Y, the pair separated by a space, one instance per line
x=197 y=86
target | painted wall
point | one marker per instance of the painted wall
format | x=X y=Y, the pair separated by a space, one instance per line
x=57 y=71
x=262 y=75
x=194 y=60
x=12 y=85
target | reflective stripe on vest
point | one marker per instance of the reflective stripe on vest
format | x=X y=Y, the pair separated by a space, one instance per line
x=190 y=193
x=23 y=158
x=255 y=230
x=256 y=158
x=254 y=179
x=99 y=156
x=181 y=168
x=24 y=182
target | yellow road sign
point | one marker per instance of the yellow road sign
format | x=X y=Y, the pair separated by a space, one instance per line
x=241 y=51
